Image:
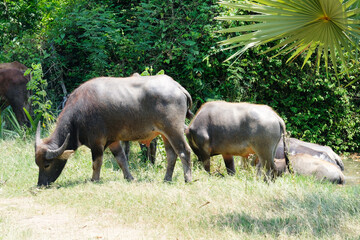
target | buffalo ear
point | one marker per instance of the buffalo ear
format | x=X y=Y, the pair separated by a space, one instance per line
x=50 y=154
x=66 y=154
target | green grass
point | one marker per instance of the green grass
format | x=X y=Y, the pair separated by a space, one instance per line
x=212 y=207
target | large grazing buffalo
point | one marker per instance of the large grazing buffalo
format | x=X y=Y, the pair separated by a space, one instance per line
x=13 y=92
x=305 y=164
x=236 y=129
x=104 y=110
x=296 y=146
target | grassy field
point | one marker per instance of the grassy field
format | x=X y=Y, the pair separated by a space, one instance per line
x=212 y=207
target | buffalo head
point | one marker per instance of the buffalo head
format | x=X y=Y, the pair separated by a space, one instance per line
x=50 y=161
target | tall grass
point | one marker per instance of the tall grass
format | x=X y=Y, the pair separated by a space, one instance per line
x=212 y=207
x=9 y=126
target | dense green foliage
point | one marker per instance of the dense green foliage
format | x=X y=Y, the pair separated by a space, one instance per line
x=75 y=40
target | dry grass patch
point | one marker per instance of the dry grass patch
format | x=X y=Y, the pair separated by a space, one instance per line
x=212 y=207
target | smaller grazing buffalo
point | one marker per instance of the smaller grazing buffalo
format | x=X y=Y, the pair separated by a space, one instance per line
x=13 y=92
x=308 y=165
x=236 y=129
x=104 y=111
x=297 y=146
x=15 y=65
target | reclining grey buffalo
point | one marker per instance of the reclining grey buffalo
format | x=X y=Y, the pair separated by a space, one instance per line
x=236 y=129
x=105 y=110
x=296 y=146
x=305 y=164
x=13 y=92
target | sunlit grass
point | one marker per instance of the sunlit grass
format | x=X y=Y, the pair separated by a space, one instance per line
x=212 y=207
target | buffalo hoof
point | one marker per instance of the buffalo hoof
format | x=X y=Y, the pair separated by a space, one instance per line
x=129 y=178
x=95 y=180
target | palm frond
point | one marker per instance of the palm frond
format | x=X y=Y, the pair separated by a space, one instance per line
x=329 y=27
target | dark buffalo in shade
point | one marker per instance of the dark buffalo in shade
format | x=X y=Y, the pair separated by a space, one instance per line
x=105 y=110
x=15 y=65
x=13 y=92
x=296 y=146
x=308 y=165
x=236 y=129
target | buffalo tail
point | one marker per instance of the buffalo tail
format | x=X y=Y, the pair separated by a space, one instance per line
x=189 y=114
x=284 y=137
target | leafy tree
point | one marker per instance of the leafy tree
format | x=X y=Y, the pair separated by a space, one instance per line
x=17 y=17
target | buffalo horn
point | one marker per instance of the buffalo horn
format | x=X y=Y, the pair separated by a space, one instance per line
x=50 y=154
x=37 y=137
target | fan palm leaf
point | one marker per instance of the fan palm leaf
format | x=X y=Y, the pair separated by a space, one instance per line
x=329 y=27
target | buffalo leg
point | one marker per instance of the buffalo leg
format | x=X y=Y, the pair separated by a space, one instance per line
x=229 y=163
x=97 y=157
x=17 y=107
x=121 y=159
x=144 y=152
x=171 y=160
x=152 y=151
x=149 y=153
x=182 y=149
x=266 y=158
x=16 y=99
x=126 y=147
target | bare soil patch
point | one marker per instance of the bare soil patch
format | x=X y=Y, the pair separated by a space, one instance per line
x=355 y=157
x=30 y=220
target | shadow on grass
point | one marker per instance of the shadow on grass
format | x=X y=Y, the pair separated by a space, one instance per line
x=140 y=177
x=73 y=183
x=35 y=190
x=317 y=214
x=245 y=223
